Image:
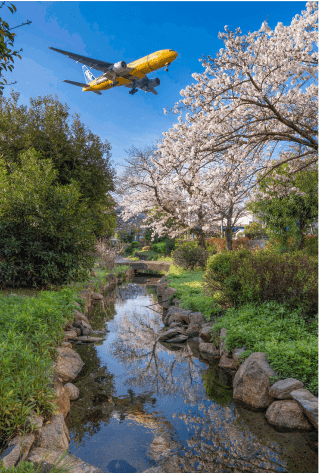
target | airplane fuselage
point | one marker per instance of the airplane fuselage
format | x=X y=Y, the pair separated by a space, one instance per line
x=138 y=69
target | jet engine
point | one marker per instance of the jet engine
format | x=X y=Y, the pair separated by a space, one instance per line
x=119 y=67
x=154 y=82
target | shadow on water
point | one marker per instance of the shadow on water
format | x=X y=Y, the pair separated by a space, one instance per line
x=145 y=404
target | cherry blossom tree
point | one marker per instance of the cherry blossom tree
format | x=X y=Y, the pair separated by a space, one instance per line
x=179 y=194
x=259 y=95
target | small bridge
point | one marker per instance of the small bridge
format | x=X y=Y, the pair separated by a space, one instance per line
x=157 y=266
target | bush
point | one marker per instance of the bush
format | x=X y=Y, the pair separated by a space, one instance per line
x=189 y=255
x=159 y=247
x=46 y=235
x=263 y=276
x=254 y=230
x=135 y=244
x=219 y=245
x=272 y=328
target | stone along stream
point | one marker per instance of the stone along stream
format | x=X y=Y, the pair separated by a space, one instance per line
x=145 y=404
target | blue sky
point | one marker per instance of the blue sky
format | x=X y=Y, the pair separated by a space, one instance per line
x=115 y=31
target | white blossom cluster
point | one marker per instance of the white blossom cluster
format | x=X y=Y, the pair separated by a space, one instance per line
x=255 y=101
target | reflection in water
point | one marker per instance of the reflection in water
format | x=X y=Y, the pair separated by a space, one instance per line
x=143 y=404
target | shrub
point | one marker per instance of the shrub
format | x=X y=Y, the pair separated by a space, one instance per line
x=46 y=233
x=254 y=230
x=219 y=245
x=188 y=256
x=135 y=244
x=159 y=247
x=272 y=328
x=262 y=276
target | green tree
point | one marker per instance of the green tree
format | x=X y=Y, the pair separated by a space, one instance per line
x=46 y=232
x=76 y=153
x=7 y=54
x=254 y=230
x=290 y=209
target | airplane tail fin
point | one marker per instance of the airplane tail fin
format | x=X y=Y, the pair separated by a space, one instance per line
x=88 y=76
x=81 y=84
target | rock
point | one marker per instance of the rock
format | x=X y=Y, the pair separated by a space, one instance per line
x=251 y=382
x=66 y=344
x=78 y=316
x=70 y=334
x=196 y=321
x=112 y=279
x=167 y=296
x=97 y=297
x=170 y=334
x=281 y=389
x=227 y=363
x=86 y=295
x=68 y=364
x=161 y=288
x=236 y=355
x=222 y=343
x=178 y=316
x=17 y=450
x=63 y=403
x=93 y=274
x=77 y=304
x=287 y=416
x=173 y=315
x=48 y=459
x=208 y=351
x=308 y=403
x=86 y=339
x=54 y=435
x=34 y=422
x=178 y=339
x=175 y=324
x=205 y=332
x=72 y=391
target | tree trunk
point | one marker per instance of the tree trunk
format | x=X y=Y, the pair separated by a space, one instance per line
x=229 y=234
x=201 y=240
x=301 y=233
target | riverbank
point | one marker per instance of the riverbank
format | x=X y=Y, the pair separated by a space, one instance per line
x=256 y=344
x=38 y=327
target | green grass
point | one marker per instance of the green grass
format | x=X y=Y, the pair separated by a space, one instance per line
x=31 y=328
x=290 y=342
x=189 y=285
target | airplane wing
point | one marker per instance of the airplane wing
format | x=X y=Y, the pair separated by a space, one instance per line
x=88 y=61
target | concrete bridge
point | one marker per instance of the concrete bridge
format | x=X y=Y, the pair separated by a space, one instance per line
x=157 y=266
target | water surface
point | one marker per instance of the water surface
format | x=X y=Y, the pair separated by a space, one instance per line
x=145 y=404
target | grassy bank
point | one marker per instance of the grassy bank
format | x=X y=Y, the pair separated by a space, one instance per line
x=31 y=329
x=190 y=291
x=289 y=339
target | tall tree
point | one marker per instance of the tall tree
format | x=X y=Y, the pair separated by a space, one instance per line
x=289 y=209
x=77 y=153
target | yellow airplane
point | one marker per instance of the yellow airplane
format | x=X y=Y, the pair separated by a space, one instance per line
x=131 y=75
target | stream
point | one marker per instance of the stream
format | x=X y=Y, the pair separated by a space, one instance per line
x=144 y=404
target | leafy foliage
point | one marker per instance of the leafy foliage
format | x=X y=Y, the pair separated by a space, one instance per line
x=254 y=230
x=76 y=153
x=291 y=208
x=31 y=328
x=289 y=341
x=46 y=233
x=189 y=255
x=263 y=276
